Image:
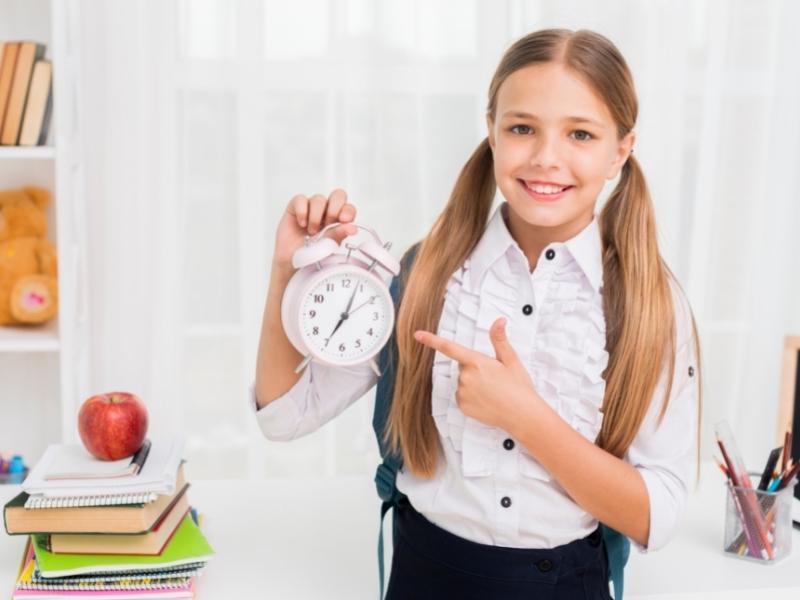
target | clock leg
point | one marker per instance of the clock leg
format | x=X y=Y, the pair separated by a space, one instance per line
x=374 y=366
x=303 y=363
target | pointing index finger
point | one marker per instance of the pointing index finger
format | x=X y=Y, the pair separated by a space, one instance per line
x=447 y=347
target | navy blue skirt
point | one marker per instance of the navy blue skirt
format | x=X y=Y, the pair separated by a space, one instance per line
x=429 y=562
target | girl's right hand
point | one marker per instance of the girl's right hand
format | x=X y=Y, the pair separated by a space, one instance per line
x=307 y=216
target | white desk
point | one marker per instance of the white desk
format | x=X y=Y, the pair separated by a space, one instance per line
x=315 y=539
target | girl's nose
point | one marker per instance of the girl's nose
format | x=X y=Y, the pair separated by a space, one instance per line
x=544 y=152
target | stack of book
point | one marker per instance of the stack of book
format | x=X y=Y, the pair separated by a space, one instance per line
x=102 y=530
x=26 y=100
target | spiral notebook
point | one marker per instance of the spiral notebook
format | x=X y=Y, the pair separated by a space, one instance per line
x=157 y=476
x=34 y=502
x=149 y=586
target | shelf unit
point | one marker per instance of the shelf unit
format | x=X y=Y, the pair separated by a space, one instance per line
x=25 y=153
x=44 y=369
x=22 y=339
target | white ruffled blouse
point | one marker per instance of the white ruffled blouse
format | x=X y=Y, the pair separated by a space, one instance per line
x=488 y=488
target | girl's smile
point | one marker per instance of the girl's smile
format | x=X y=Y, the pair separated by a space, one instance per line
x=545 y=191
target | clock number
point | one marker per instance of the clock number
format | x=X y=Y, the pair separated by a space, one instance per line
x=319 y=298
x=341 y=347
x=313 y=313
x=374 y=316
x=369 y=331
x=328 y=287
x=358 y=343
x=315 y=330
x=346 y=283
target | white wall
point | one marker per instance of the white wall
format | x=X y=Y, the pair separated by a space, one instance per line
x=204 y=118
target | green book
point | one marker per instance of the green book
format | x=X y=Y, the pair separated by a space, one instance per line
x=187 y=546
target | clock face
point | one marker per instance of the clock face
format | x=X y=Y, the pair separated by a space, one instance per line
x=341 y=335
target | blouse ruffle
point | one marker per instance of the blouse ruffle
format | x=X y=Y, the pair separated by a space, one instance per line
x=563 y=349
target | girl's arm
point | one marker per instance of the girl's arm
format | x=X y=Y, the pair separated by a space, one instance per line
x=612 y=490
x=644 y=495
x=277 y=357
x=322 y=393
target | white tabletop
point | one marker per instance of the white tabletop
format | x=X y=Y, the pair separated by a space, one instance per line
x=317 y=538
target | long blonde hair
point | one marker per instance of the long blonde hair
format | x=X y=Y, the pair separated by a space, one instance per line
x=637 y=298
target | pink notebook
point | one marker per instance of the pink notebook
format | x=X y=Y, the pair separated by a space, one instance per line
x=187 y=592
x=183 y=591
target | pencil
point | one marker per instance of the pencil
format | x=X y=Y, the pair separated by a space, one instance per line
x=738 y=500
x=789 y=476
x=787 y=450
x=767 y=504
x=754 y=513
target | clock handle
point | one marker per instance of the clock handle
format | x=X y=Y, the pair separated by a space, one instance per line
x=376 y=250
x=381 y=255
x=313 y=252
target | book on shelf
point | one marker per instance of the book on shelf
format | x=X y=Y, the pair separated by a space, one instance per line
x=157 y=476
x=151 y=542
x=39 y=107
x=115 y=518
x=27 y=55
x=8 y=62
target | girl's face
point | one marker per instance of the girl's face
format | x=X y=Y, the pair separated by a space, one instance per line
x=553 y=133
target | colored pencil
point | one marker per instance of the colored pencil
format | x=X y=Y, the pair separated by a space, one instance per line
x=738 y=501
x=786 y=480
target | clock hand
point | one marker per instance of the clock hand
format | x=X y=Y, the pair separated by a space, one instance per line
x=367 y=301
x=345 y=314
x=339 y=324
x=350 y=302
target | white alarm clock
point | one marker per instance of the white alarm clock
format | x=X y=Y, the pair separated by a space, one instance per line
x=336 y=310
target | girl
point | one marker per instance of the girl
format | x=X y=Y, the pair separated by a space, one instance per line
x=561 y=386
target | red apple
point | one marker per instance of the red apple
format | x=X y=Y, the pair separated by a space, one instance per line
x=112 y=425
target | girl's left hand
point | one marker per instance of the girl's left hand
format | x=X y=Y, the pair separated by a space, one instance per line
x=494 y=391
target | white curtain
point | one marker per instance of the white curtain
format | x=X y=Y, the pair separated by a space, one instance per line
x=201 y=118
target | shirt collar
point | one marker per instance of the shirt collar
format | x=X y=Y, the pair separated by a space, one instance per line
x=585 y=248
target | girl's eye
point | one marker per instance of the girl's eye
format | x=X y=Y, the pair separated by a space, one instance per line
x=581 y=135
x=517 y=127
x=583 y=139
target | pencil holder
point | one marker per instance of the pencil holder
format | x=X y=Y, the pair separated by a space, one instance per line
x=758 y=524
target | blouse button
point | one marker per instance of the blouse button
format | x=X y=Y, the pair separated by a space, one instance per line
x=508 y=444
x=527 y=309
x=550 y=254
x=506 y=501
x=691 y=371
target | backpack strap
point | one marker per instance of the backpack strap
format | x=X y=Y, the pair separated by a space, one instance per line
x=618 y=549
x=386 y=473
x=617 y=545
